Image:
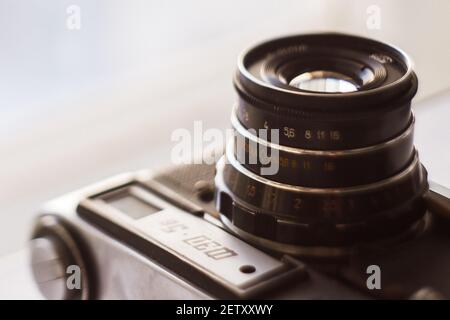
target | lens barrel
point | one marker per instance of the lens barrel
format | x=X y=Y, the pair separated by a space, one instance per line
x=377 y=112
x=346 y=171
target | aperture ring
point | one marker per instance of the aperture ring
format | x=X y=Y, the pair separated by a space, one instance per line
x=327 y=132
x=321 y=169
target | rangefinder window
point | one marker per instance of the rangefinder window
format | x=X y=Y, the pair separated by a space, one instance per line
x=132 y=206
x=128 y=202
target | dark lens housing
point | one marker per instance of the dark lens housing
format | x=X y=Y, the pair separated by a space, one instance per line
x=348 y=170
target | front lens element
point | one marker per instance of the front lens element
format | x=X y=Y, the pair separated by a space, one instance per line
x=323 y=81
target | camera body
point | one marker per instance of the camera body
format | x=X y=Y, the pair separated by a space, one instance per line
x=156 y=235
x=348 y=213
x=171 y=246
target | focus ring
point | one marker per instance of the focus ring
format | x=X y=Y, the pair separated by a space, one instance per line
x=308 y=205
x=319 y=230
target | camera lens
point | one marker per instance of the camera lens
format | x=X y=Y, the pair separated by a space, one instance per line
x=323 y=81
x=347 y=172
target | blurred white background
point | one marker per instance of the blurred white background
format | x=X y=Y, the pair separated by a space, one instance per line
x=80 y=105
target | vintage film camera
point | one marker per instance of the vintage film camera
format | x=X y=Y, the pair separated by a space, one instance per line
x=350 y=199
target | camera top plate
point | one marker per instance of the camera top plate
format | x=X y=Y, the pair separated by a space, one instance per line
x=198 y=250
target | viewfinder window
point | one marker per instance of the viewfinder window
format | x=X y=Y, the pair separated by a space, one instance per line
x=132 y=206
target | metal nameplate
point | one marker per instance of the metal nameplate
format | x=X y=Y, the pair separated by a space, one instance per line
x=190 y=246
x=210 y=248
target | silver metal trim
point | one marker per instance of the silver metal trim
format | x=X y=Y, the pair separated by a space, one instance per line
x=286 y=269
x=440 y=189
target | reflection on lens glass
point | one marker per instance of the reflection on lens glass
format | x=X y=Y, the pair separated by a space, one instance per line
x=324 y=81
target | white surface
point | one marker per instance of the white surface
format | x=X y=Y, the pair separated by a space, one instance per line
x=16 y=281
x=78 y=106
x=432 y=137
